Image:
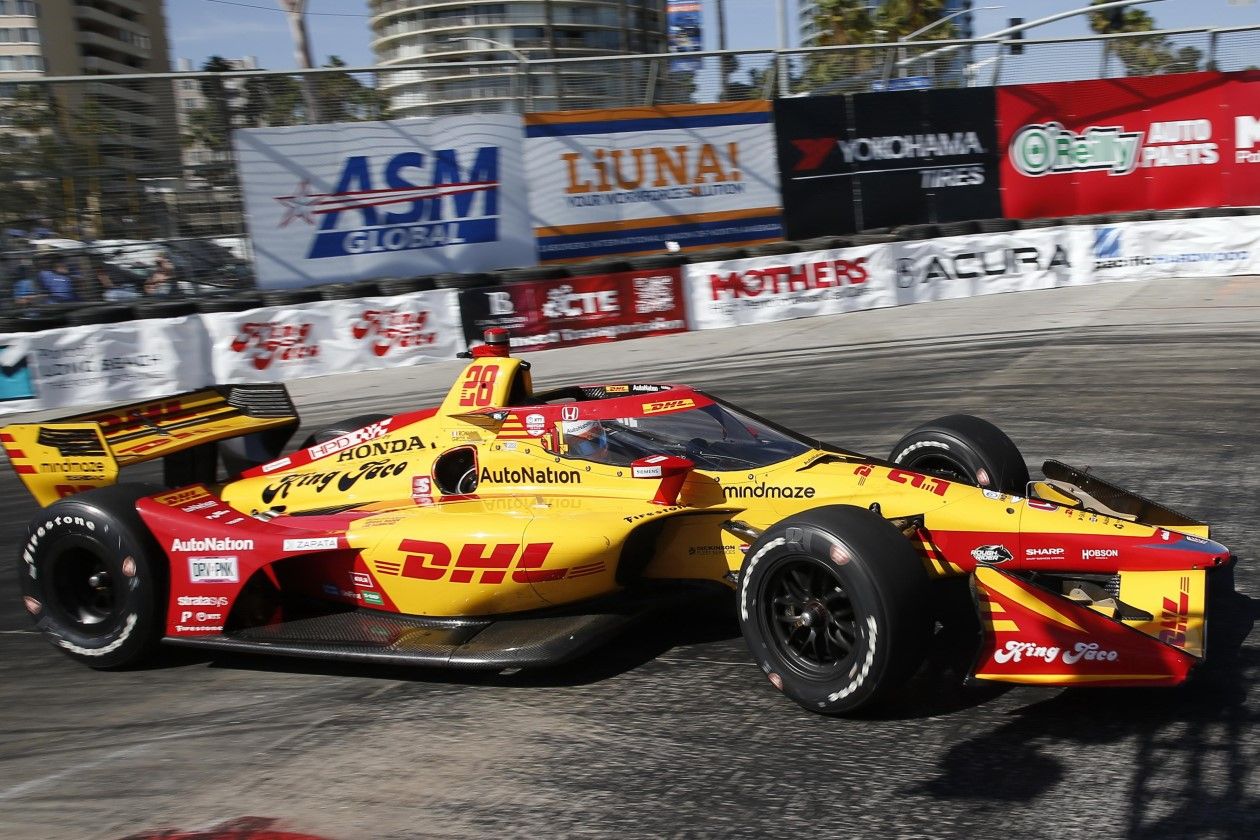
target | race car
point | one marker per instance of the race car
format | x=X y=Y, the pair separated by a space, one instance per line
x=512 y=528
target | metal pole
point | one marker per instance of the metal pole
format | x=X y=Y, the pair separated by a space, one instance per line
x=302 y=52
x=721 y=23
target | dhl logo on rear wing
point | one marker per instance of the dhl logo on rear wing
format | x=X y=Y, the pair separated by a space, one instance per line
x=61 y=457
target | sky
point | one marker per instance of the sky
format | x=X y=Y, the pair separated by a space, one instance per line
x=199 y=29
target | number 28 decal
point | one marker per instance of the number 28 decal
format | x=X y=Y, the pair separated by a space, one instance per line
x=478 y=389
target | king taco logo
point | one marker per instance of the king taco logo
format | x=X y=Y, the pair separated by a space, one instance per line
x=266 y=342
x=410 y=201
x=390 y=328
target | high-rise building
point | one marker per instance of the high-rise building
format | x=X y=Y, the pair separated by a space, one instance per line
x=191 y=99
x=122 y=129
x=520 y=32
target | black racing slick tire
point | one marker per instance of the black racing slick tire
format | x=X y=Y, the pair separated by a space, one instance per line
x=965 y=449
x=94 y=579
x=834 y=607
x=346 y=426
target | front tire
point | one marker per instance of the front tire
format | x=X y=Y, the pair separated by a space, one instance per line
x=94 y=579
x=965 y=449
x=833 y=604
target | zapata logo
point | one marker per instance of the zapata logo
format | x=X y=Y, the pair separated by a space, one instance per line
x=412 y=201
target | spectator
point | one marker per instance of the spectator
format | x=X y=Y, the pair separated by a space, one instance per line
x=27 y=292
x=161 y=282
x=114 y=287
x=57 y=283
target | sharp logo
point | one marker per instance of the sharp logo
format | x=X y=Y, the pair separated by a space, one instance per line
x=1246 y=139
x=410 y=201
x=1107 y=243
x=1050 y=149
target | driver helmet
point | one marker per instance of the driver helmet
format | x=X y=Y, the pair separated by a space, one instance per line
x=586 y=439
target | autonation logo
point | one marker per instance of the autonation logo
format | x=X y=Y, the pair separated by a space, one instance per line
x=1109 y=252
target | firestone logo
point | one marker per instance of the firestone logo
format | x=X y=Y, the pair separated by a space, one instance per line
x=410 y=201
x=264 y=343
x=390 y=328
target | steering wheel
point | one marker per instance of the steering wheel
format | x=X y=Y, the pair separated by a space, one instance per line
x=467 y=482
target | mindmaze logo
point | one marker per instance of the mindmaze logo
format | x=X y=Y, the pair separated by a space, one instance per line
x=416 y=200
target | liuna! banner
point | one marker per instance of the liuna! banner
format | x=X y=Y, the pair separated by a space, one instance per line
x=355 y=201
x=627 y=181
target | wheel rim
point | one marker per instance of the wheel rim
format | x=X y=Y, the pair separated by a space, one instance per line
x=83 y=588
x=809 y=618
x=942 y=466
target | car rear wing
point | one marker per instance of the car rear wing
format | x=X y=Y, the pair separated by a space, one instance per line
x=58 y=458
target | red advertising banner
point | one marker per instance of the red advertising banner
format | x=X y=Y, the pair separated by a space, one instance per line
x=1242 y=110
x=1113 y=145
x=578 y=310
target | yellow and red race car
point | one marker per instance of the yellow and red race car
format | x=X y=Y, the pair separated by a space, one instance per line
x=510 y=527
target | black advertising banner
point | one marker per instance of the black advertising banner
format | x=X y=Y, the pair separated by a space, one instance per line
x=885 y=159
x=925 y=156
x=817 y=187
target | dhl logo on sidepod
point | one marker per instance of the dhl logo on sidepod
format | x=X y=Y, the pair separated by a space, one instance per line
x=428 y=560
x=1176 y=617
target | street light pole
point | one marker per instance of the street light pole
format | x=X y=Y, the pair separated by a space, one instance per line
x=302 y=52
x=524 y=102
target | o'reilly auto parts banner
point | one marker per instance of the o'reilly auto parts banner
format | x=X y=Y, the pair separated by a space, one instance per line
x=578 y=310
x=765 y=289
x=1150 y=143
x=627 y=181
x=356 y=201
x=877 y=159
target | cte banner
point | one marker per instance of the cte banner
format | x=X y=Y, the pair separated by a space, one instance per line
x=885 y=159
x=1141 y=143
x=578 y=310
x=627 y=181
x=356 y=201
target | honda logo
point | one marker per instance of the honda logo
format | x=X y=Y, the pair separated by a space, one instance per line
x=569 y=413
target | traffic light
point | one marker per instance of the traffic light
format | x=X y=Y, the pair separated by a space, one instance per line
x=1016 y=49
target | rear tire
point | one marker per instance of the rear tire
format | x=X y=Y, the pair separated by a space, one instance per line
x=834 y=606
x=94 y=579
x=965 y=449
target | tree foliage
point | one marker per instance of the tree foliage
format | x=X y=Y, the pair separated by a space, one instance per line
x=854 y=22
x=1143 y=56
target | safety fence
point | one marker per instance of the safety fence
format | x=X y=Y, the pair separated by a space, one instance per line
x=84 y=365
x=131 y=163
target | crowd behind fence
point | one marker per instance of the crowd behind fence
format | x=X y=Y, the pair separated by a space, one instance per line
x=122 y=188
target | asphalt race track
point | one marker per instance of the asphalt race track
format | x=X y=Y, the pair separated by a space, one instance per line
x=673 y=732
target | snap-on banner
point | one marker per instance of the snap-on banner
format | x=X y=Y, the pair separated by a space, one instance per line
x=627 y=181
x=351 y=201
x=884 y=159
x=1139 y=143
x=578 y=310
x=275 y=344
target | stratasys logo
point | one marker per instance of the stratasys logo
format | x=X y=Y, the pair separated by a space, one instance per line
x=410 y=201
x=1050 y=149
x=211 y=544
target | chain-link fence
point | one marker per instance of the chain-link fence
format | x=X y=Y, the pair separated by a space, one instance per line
x=126 y=185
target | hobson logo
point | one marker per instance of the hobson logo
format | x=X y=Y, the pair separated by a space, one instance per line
x=410 y=201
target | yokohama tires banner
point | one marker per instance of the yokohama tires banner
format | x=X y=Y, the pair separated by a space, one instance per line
x=578 y=310
x=1108 y=145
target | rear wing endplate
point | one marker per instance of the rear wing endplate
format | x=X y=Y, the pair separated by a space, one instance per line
x=58 y=458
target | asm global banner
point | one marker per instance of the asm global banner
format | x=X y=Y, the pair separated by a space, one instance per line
x=630 y=180
x=357 y=201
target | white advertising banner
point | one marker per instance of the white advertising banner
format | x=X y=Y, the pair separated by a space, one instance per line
x=275 y=344
x=626 y=181
x=354 y=201
x=1181 y=248
x=81 y=366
